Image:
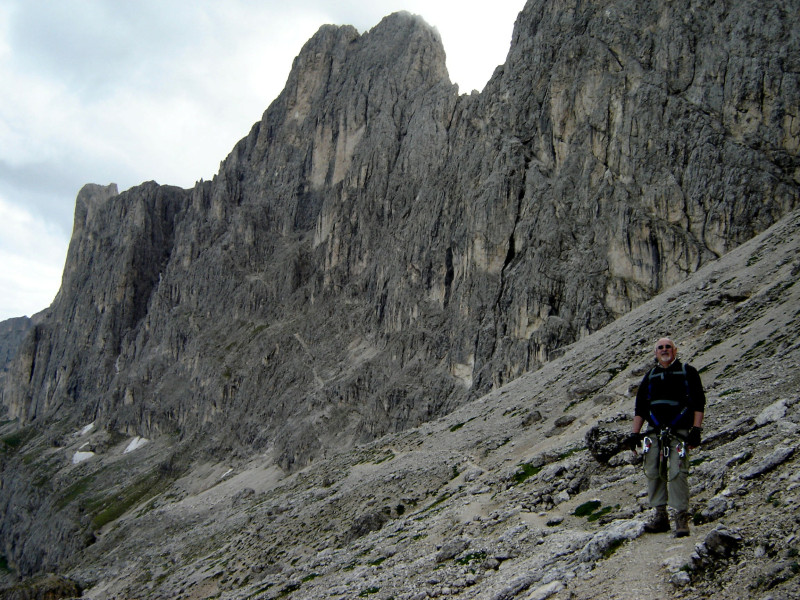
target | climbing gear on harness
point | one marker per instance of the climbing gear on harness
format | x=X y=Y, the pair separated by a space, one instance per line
x=659 y=522
x=666 y=439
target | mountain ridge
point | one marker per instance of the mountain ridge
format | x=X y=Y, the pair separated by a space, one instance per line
x=380 y=250
x=484 y=502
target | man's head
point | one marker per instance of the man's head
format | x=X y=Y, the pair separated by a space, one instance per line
x=666 y=351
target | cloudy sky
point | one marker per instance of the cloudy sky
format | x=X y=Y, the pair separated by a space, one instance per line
x=123 y=91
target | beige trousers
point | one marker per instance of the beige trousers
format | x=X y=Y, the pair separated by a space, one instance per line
x=670 y=485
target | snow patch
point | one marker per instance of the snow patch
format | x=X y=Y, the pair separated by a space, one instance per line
x=86 y=429
x=79 y=457
x=135 y=444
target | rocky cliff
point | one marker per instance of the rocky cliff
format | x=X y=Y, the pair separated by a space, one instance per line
x=523 y=494
x=379 y=249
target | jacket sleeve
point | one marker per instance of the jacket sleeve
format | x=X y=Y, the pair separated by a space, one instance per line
x=642 y=408
x=698 y=395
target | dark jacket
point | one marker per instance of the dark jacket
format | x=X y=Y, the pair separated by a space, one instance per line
x=666 y=393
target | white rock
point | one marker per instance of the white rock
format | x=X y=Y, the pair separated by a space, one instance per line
x=545 y=591
x=772 y=413
x=79 y=457
x=135 y=444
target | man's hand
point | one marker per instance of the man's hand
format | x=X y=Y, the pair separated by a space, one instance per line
x=632 y=441
x=693 y=439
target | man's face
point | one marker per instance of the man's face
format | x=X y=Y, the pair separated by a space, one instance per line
x=665 y=351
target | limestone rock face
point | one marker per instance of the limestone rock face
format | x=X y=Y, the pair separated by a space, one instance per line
x=379 y=249
x=12 y=332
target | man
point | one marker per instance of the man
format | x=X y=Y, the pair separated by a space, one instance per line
x=671 y=399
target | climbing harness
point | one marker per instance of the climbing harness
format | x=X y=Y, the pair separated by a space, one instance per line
x=666 y=439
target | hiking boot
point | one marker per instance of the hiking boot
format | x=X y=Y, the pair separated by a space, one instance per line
x=659 y=522
x=681 y=523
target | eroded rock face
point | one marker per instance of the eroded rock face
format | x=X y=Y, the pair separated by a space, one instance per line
x=379 y=249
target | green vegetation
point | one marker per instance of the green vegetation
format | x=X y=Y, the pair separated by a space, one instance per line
x=705 y=368
x=465 y=560
x=569 y=453
x=525 y=470
x=369 y=592
x=118 y=504
x=591 y=512
x=457 y=426
x=4 y=568
x=729 y=392
x=14 y=441
x=292 y=587
x=602 y=512
x=442 y=497
x=74 y=491
x=389 y=456
x=613 y=547
x=587 y=508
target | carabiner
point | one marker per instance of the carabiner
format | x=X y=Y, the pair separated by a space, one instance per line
x=681 y=449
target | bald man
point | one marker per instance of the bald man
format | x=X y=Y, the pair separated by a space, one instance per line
x=672 y=401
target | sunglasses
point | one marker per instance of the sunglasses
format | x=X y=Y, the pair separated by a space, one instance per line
x=665 y=347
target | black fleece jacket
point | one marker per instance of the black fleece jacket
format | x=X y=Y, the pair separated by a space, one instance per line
x=664 y=394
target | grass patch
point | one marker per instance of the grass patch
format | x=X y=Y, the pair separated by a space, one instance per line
x=457 y=426
x=117 y=505
x=591 y=512
x=569 y=453
x=292 y=587
x=369 y=591
x=587 y=508
x=4 y=568
x=705 y=368
x=730 y=391
x=442 y=497
x=310 y=577
x=600 y=513
x=613 y=547
x=378 y=561
x=14 y=441
x=525 y=471
x=465 y=560
x=74 y=491
x=389 y=456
